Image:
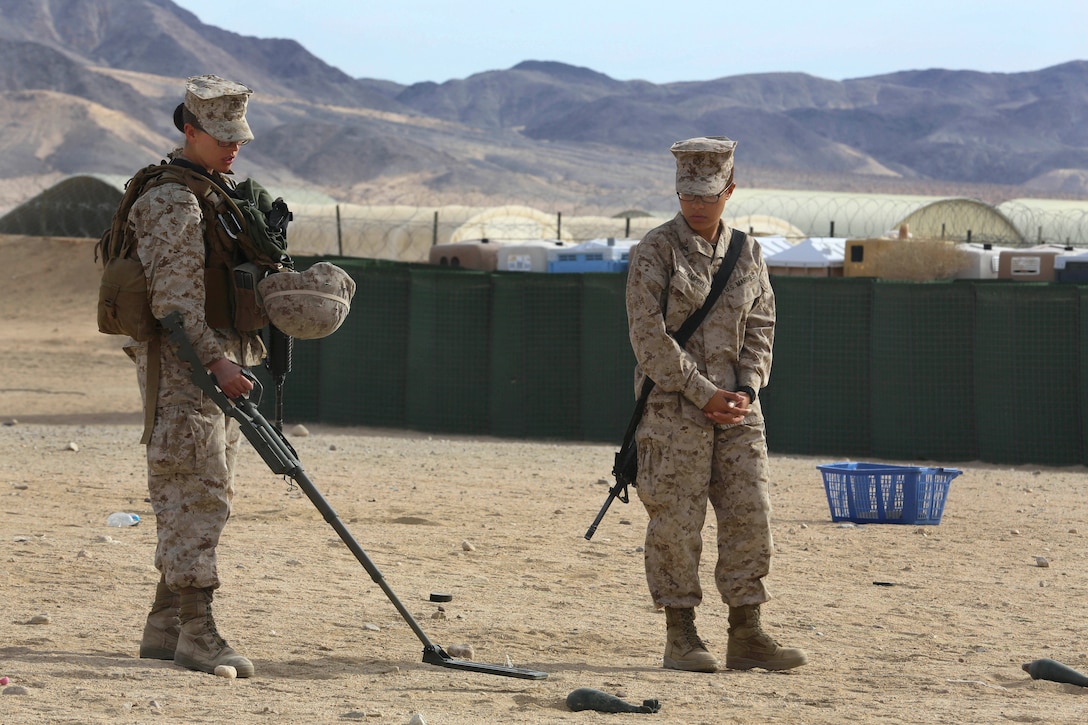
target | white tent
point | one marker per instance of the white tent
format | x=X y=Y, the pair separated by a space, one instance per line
x=811 y=254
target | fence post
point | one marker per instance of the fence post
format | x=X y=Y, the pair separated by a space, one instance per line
x=832 y=234
x=627 y=229
x=559 y=225
x=339 y=233
x=434 y=230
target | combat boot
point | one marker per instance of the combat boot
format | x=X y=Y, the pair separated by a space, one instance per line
x=199 y=645
x=683 y=648
x=161 y=629
x=749 y=646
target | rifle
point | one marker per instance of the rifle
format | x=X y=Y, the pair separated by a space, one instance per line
x=280 y=347
x=281 y=457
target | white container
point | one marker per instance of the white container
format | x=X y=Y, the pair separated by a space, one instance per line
x=983 y=261
x=531 y=256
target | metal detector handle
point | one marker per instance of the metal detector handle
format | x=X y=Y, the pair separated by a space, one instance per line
x=269 y=443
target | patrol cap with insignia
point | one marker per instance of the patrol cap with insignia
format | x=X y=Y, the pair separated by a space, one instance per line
x=219 y=106
x=704 y=165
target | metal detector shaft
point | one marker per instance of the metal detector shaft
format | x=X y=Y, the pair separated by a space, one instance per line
x=280 y=456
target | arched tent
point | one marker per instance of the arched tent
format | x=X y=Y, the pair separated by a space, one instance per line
x=79 y=206
x=1053 y=221
x=827 y=213
x=510 y=224
x=762 y=225
x=961 y=220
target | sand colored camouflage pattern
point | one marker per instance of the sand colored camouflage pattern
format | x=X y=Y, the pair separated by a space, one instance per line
x=684 y=459
x=220 y=107
x=308 y=305
x=190 y=473
x=193 y=446
x=704 y=165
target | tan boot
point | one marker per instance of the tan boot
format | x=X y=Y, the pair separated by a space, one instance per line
x=199 y=645
x=161 y=629
x=683 y=648
x=749 y=646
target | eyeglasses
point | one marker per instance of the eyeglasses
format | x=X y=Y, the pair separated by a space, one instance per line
x=713 y=198
x=222 y=144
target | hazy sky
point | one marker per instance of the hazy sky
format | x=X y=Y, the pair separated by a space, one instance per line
x=408 y=41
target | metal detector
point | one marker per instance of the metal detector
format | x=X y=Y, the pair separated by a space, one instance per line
x=280 y=456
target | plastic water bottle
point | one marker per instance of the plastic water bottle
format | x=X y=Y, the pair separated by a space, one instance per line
x=122 y=519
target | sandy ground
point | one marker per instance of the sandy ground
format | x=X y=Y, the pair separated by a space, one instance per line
x=499 y=525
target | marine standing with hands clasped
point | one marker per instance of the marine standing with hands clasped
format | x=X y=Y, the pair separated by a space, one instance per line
x=191 y=445
x=702 y=436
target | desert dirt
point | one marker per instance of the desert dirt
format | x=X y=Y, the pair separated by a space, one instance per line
x=500 y=525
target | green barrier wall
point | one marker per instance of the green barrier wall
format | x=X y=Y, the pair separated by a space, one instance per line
x=1027 y=373
x=945 y=372
x=922 y=397
x=818 y=397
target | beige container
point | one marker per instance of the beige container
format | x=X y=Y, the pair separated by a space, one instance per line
x=1027 y=265
x=480 y=255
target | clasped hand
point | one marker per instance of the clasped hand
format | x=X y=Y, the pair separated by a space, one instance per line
x=727 y=408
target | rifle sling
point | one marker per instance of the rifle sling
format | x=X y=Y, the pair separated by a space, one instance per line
x=736 y=242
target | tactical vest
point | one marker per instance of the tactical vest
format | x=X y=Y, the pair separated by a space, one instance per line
x=240 y=248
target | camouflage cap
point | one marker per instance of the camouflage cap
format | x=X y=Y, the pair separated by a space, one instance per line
x=219 y=106
x=704 y=165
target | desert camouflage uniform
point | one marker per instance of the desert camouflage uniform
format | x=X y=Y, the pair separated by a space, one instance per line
x=193 y=445
x=684 y=458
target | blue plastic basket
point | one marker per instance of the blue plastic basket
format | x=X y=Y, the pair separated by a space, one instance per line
x=870 y=493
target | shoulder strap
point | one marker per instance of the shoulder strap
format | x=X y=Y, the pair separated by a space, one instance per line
x=736 y=243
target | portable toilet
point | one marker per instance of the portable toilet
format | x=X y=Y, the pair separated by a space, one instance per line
x=481 y=254
x=1071 y=267
x=813 y=257
x=529 y=256
x=1034 y=264
x=596 y=255
x=983 y=261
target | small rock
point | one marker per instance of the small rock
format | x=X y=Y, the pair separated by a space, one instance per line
x=461 y=651
x=21 y=539
x=804 y=526
x=83 y=554
x=13 y=421
x=467 y=546
x=20 y=486
x=1041 y=561
x=73 y=447
x=1016 y=532
x=417 y=719
x=372 y=627
x=15 y=690
x=300 y=430
x=439 y=615
x=1073 y=531
x=332 y=447
x=226 y=671
x=40 y=619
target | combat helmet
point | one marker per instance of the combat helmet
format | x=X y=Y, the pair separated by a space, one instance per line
x=308 y=305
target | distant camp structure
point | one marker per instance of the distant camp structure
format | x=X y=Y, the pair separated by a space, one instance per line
x=81 y=206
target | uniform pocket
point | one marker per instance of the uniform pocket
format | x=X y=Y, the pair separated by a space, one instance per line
x=185 y=441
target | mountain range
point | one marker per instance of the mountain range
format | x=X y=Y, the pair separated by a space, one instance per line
x=89 y=86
